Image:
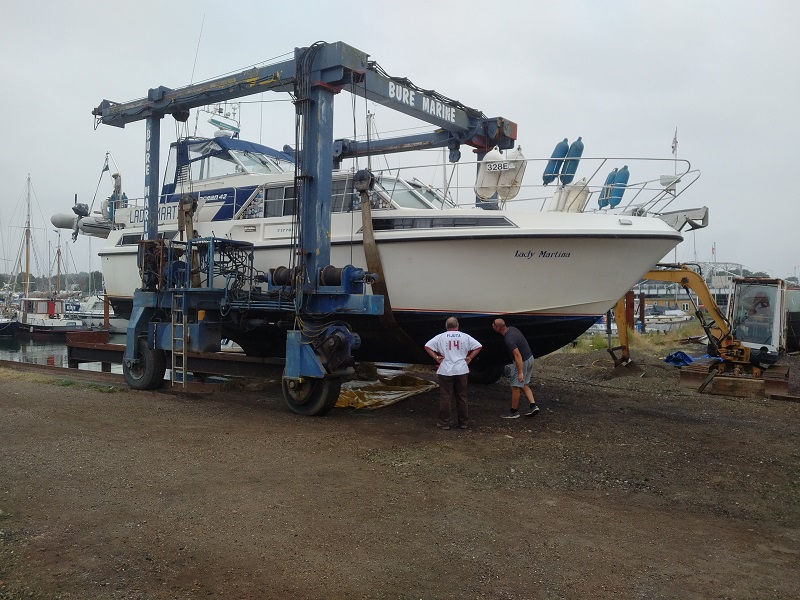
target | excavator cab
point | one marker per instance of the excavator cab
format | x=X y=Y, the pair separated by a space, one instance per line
x=757 y=316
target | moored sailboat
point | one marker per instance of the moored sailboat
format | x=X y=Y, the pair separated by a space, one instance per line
x=41 y=314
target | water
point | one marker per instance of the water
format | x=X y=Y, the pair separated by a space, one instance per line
x=46 y=352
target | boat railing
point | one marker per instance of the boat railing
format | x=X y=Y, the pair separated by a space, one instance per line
x=653 y=186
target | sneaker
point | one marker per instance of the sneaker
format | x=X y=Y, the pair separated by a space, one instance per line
x=512 y=414
x=532 y=411
x=444 y=426
x=463 y=426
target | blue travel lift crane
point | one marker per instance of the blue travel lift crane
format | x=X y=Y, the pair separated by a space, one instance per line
x=174 y=312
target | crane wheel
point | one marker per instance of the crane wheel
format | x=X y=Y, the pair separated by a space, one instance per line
x=310 y=396
x=148 y=372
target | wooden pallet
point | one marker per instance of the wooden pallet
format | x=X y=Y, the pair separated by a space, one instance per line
x=703 y=375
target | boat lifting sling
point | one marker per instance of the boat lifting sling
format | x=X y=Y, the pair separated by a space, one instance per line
x=374 y=265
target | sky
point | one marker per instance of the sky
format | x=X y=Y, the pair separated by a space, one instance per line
x=624 y=75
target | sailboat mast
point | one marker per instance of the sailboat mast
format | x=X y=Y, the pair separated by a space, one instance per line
x=58 y=268
x=26 y=281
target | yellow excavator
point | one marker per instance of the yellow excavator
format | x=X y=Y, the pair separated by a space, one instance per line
x=747 y=343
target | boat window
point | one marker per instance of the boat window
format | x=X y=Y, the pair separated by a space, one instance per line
x=169 y=171
x=383 y=224
x=275 y=202
x=343 y=195
x=214 y=166
x=255 y=207
x=290 y=204
x=131 y=239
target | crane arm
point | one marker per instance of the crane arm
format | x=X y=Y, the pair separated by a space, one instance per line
x=337 y=66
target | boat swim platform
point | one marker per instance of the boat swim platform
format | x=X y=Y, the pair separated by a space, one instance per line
x=94 y=347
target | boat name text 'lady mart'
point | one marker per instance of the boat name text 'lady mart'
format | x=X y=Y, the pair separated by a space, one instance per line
x=541 y=254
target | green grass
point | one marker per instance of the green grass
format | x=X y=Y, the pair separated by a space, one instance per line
x=650 y=343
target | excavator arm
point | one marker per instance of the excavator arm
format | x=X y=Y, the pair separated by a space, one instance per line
x=720 y=339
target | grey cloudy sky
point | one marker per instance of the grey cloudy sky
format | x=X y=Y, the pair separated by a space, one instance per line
x=621 y=74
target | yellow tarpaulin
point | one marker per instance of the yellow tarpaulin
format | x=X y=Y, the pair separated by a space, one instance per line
x=383 y=392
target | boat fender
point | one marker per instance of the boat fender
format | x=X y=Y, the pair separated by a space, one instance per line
x=489 y=170
x=620 y=183
x=577 y=196
x=557 y=201
x=571 y=162
x=556 y=160
x=605 y=193
x=63 y=221
x=510 y=181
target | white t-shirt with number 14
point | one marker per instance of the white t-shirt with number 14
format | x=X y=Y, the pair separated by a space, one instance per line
x=454 y=347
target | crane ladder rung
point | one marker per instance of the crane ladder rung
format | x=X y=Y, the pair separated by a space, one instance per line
x=178 y=340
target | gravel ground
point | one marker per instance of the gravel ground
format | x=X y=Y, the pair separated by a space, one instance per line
x=621 y=488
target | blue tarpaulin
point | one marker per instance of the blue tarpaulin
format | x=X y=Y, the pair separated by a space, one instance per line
x=681 y=359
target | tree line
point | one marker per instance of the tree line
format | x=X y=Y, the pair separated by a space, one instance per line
x=83 y=282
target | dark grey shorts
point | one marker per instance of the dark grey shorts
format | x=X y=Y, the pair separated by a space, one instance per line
x=527 y=371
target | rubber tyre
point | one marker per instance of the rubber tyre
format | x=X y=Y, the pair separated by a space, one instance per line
x=484 y=374
x=148 y=373
x=314 y=397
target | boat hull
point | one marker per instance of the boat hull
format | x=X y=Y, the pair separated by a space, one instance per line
x=8 y=328
x=44 y=317
x=115 y=324
x=93 y=315
x=48 y=331
x=551 y=277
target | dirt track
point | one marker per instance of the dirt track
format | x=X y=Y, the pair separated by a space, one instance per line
x=624 y=488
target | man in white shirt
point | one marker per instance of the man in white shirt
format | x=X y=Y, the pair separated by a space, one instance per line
x=453 y=350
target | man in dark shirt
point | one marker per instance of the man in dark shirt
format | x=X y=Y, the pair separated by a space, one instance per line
x=520 y=377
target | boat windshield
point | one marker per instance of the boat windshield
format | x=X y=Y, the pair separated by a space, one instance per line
x=253 y=162
x=402 y=194
x=432 y=195
x=208 y=160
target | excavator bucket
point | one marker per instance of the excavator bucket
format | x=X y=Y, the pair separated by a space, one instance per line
x=623 y=365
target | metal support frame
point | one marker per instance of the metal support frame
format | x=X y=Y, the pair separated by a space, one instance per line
x=315 y=206
x=320 y=72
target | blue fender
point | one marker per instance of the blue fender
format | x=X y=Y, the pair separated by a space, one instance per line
x=555 y=162
x=620 y=182
x=605 y=193
x=571 y=162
